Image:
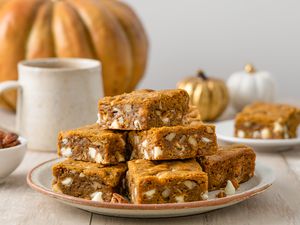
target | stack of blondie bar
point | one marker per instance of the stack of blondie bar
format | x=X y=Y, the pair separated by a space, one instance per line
x=147 y=147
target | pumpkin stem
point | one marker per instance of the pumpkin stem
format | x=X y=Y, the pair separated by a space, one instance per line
x=201 y=74
x=249 y=68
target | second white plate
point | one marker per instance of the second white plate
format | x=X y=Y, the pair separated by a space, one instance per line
x=225 y=134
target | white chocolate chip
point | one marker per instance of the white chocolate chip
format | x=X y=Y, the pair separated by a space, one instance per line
x=81 y=175
x=121 y=120
x=204 y=195
x=189 y=184
x=66 y=152
x=229 y=189
x=192 y=141
x=170 y=136
x=265 y=133
x=256 y=134
x=145 y=143
x=162 y=174
x=166 y=193
x=65 y=141
x=205 y=140
x=241 y=134
x=146 y=155
x=179 y=198
x=135 y=192
x=92 y=153
x=165 y=120
x=98 y=158
x=115 y=124
x=136 y=140
x=278 y=127
x=128 y=108
x=97 y=196
x=137 y=124
x=150 y=193
x=99 y=119
x=157 y=152
x=67 y=181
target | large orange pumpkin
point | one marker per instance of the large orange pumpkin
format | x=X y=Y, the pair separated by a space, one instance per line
x=107 y=30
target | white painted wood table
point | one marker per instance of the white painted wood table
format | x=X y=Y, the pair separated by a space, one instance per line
x=279 y=205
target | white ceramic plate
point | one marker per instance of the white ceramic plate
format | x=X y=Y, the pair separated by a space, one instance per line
x=225 y=134
x=40 y=177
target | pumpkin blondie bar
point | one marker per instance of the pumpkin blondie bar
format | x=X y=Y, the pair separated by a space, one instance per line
x=92 y=144
x=151 y=182
x=235 y=163
x=267 y=121
x=87 y=180
x=143 y=109
x=177 y=142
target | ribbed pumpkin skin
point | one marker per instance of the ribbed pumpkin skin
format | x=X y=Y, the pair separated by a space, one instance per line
x=107 y=30
x=209 y=95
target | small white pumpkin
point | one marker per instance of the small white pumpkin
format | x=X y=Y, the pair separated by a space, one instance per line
x=246 y=87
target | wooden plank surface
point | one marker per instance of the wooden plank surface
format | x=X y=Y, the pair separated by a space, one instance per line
x=279 y=205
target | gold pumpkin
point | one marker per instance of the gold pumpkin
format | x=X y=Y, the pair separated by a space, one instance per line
x=107 y=30
x=209 y=95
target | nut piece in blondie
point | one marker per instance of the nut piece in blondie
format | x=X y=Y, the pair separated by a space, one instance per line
x=87 y=180
x=177 y=142
x=267 y=121
x=193 y=116
x=235 y=163
x=143 y=109
x=92 y=144
x=152 y=182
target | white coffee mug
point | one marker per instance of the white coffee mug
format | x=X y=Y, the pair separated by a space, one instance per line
x=55 y=94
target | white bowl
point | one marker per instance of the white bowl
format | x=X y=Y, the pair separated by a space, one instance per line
x=10 y=158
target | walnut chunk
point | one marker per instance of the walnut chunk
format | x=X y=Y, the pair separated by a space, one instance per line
x=221 y=194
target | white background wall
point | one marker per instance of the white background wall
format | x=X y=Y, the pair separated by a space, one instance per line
x=220 y=37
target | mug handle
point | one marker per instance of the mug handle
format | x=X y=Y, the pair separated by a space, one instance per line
x=8 y=85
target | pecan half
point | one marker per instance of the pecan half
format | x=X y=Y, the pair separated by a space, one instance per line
x=116 y=198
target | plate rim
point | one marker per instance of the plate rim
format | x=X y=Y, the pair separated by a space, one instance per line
x=166 y=206
x=258 y=142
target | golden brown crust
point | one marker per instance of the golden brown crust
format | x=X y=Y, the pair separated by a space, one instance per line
x=166 y=181
x=177 y=142
x=234 y=162
x=87 y=180
x=143 y=109
x=110 y=175
x=92 y=144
